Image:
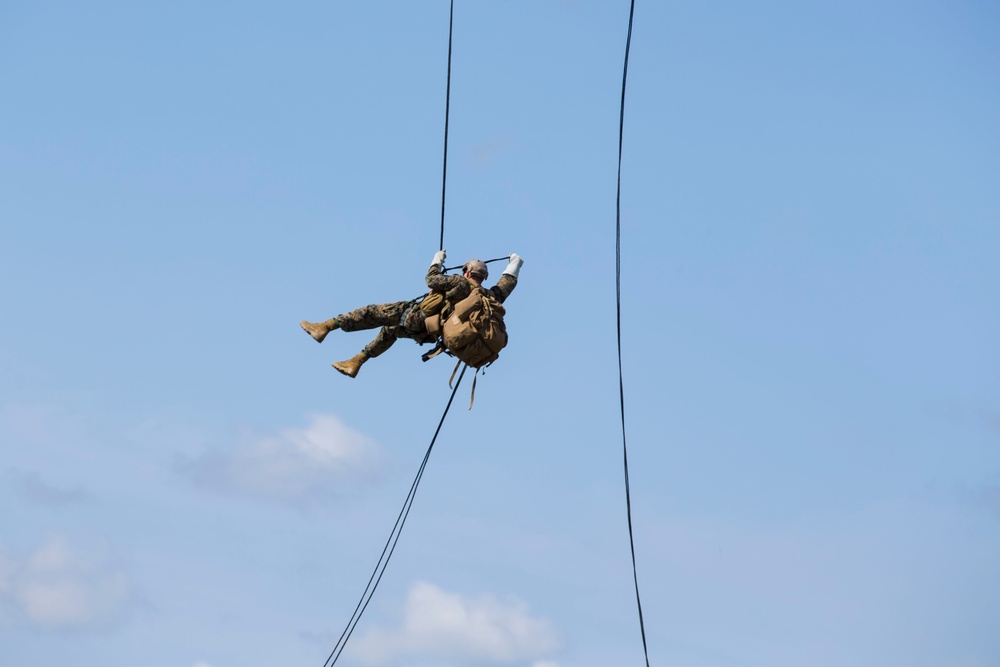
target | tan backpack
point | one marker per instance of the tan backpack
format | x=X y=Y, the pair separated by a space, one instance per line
x=474 y=331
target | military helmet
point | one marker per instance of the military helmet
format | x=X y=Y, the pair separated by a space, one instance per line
x=476 y=266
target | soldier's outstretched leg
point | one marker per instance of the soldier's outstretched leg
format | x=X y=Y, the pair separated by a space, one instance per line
x=319 y=330
x=385 y=315
x=366 y=317
x=351 y=367
x=383 y=341
x=373 y=316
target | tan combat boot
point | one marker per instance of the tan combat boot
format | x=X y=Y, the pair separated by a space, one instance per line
x=351 y=367
x=319 y=330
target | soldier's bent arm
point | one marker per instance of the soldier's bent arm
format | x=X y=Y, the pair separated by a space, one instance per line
x=504 y=287
x=439 y=282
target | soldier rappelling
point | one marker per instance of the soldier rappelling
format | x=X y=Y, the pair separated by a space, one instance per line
x=458 y=312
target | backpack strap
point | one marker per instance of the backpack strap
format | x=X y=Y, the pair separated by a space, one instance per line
x=472 y=396
x=453 y=372
x=438 y=349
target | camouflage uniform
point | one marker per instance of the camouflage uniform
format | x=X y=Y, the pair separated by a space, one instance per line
x=404 y=319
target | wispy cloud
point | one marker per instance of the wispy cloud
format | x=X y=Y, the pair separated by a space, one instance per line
x=59 y=588
x=443 y=625
x=290 y=465
x=33 y=489
x=40 y=425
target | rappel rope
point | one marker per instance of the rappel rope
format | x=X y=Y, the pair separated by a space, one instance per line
x=390 y=545
x=618 y=297
x=397 y=529
x=447 y=109
x=444 y=188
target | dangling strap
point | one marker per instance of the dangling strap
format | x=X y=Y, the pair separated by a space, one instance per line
x=438 y=349
x=406 y=311
x=454 y=371
x=472 y=396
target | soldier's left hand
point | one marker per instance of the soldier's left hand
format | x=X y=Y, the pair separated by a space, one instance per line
x=515 y=265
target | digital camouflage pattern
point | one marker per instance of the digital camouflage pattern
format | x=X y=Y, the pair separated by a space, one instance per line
x=456 y=288
x=398 y=320
x=404 y=319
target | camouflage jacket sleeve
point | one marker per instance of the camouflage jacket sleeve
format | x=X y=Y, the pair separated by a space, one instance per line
x=454 y=288
x=504 y=287
x=457 y=287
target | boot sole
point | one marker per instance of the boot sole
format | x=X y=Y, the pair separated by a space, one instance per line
x=343 y=372
x=319 y=338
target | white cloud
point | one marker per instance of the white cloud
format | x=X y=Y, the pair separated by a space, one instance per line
x=59 y=588
x=445 y=625
x=291 y=464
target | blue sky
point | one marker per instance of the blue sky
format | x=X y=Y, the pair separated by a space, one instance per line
x=810 y=292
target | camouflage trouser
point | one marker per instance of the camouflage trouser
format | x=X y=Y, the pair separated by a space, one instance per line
x=398 y=320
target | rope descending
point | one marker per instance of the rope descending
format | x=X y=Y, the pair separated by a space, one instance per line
x=390 y=545
x=618 y=295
